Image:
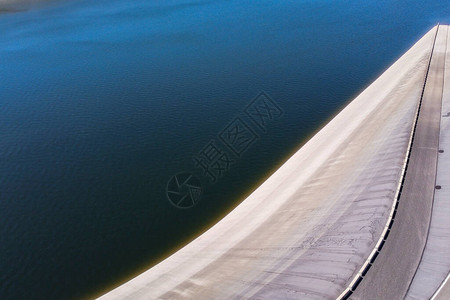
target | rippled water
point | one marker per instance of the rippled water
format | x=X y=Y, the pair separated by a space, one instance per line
x=102 y=102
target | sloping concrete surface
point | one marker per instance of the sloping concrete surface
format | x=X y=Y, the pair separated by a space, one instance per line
x=307 y=230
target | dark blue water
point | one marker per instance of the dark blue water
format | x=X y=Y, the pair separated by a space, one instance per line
x=102 y=102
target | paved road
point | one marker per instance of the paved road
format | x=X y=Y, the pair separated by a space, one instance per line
x=394 y=269
x=435 y=263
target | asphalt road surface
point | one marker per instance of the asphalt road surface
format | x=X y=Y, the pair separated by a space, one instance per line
x=394 y=269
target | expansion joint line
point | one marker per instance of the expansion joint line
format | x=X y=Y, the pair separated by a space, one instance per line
x=387 y=228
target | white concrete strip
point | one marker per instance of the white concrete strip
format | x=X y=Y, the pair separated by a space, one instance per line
x=307 y=230
x=435 y=263
x=443 y=291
